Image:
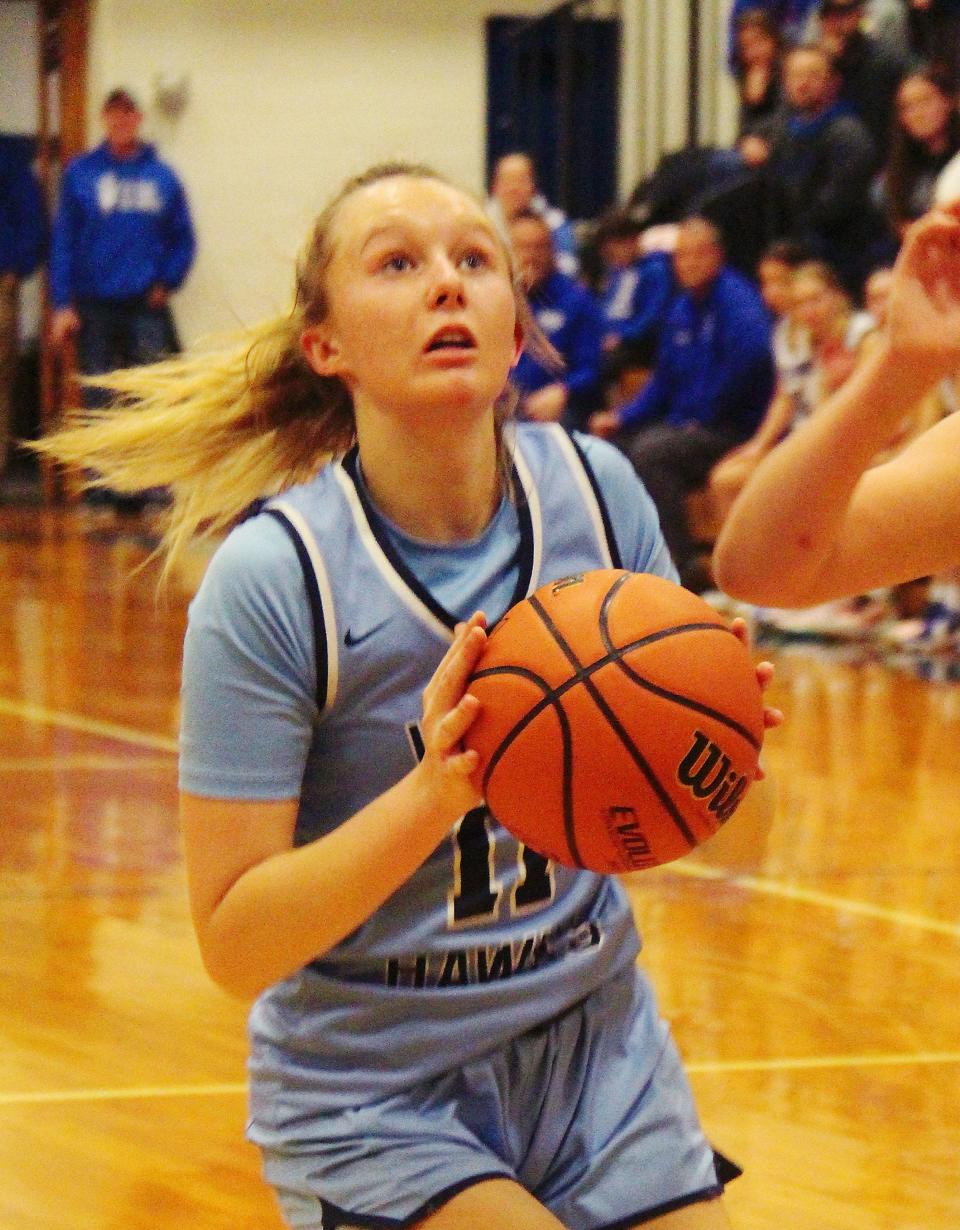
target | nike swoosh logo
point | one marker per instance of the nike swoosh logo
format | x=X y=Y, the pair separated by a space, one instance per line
x=350 y=640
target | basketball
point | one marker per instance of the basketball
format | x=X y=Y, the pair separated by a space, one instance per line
x=621 y=721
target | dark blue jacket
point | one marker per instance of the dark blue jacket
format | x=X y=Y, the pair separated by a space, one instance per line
x=570 y=317
x=714 y=364
x=123 y=226
x=22 y=216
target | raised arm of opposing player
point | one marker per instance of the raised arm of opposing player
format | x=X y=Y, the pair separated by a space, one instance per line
x=815 y=521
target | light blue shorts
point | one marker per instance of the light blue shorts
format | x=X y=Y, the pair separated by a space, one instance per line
x=591 y=1113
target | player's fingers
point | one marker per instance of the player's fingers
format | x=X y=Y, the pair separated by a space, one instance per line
x=738 y=627
x=459 y=662
x=463 y=763
x=765 y=673
x=450 y=678
x=771 y=717
x=454 y=724
x=476 y=620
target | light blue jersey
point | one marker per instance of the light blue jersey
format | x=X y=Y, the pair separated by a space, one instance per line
x=310 y=642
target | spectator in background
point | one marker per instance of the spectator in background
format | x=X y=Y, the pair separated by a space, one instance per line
x=818 y=160
x=926 y=135
x=569 y=317
x=869 y=69
x=636 y=289
x=22 y=237
x=790 y=17
x=711 y=384
x=774 y=274
x=123 y=242
x=836 y=330
x=793 y=364
x=513 y=191
x=756 y=65
x=933 y=29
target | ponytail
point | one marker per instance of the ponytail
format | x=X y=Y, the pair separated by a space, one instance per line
x=219 y=429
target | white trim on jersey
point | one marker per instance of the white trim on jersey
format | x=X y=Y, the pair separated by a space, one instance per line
x=326 y=594
x=536 y=519
x=586 y=490
x=384 y=567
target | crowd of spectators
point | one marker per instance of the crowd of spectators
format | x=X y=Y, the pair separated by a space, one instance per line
x=738 y=287
x=695 y=325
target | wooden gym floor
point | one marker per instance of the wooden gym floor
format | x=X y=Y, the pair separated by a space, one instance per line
x=809 y=958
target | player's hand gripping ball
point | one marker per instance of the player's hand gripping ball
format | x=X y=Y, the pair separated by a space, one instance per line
x=621 y=721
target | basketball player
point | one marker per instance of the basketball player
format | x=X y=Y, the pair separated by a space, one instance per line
x=450 y=1032
x=815 y=522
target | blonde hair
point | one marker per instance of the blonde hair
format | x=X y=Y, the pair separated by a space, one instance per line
x=223 y=428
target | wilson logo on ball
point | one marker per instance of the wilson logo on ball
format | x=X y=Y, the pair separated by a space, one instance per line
x=708 y=774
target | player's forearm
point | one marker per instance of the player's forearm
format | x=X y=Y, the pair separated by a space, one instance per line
x=297 y=904
x=779 y=540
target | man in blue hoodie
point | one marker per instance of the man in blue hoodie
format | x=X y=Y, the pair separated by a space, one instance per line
x=123 y=242
x=711 y=384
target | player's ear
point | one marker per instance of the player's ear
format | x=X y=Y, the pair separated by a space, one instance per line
x=321 y=350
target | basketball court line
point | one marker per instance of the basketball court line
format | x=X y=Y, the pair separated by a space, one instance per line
x=131 y=1093
x=86 y=725
x=707 y=1068
x=813 y=1062
x=103 y=764
x=809 y=896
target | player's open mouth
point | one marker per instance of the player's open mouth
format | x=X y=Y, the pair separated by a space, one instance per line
x=451 y=338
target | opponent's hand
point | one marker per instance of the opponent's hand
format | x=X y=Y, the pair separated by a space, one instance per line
x=923 y=317
x=449 y=711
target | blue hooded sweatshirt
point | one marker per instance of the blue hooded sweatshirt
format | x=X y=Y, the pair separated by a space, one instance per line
x=714 y=364
x=122 y=227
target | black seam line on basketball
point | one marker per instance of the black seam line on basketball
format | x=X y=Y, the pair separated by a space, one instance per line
x=550 y=697
x=551 y=694
x=632 y=750
x=685 y=702
x=566 y=740
x=601 y=662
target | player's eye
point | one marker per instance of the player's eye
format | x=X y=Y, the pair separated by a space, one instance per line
x=476 y=258
x=396 y=262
